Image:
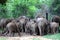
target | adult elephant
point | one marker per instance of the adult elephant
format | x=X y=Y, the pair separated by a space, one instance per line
x=4 y=22
x=42 y=25
x=11 y=28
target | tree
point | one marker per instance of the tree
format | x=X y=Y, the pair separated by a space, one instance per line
x=56 y=7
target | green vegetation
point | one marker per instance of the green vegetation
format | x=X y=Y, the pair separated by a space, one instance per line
x=3 y=38
x=53 y=37
x=15 y=8
x=56 y=7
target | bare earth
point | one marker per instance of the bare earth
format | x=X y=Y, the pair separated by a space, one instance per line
x=27 y=38
x=23 y=36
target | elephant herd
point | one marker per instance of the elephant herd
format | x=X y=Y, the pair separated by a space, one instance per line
x=37 y=26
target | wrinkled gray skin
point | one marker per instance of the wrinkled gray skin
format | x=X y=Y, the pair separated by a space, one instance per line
x=54 y=27
x=42 y=25
x=23 y=20
x=12 y=27
x=56 y=19
x=4 y=22
x=31 y=27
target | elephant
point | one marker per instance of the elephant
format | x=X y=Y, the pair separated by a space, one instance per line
x=30 y=27
x=42 y=25
x=12 y=27
x=4 y=22
x=56 y=19
x=23 y=20
x=54 y=27
x=27 y=26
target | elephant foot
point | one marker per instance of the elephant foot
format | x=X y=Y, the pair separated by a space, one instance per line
x=34 y=34
x=11 y=35
x=19 y=34
x=2 y=35
x=22 y=31
x=5 y=33
x=41 y=34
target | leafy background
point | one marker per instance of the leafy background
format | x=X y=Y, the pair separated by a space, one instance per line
x=15 y=8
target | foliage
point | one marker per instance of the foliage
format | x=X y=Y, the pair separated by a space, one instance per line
x=18 y=7
x=24 y=7
x=53 y=37
x=15 y=8
x=56 y=7
x=2 y=11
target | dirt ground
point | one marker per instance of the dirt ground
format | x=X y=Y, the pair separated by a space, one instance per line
x=27 y=38
x=23 y=36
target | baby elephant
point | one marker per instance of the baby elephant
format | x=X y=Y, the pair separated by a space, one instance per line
x=54 y=27
x=42 y=25
x=13 y=27
x=22 y=20
x=31 y=27
x=56 y=19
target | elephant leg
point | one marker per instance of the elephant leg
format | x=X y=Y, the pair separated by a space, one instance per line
x=51 y=30
x=5 y=33
x=11 y=33
x=22 y=28
x=56 y=30
x=40 y=32
x=18 y=31
x=43 y=31
x=33 y=31
x=25 y=29
x=48 y=30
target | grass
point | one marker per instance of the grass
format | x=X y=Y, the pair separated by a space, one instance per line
x=53 y=37
x=3 y=38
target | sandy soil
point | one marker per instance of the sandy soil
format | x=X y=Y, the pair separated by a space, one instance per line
x=27 y=38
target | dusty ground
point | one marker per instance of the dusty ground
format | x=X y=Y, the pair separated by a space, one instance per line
x=26 y=38
x=23 y=36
